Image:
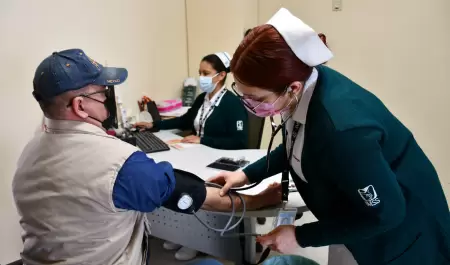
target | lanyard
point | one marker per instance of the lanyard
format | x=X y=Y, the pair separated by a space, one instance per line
x=295 y=130
x=202 y=119
x=285 y=173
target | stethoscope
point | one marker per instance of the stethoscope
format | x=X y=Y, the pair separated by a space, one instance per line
x=284 y=182
x=229 y=226
x=275 y=129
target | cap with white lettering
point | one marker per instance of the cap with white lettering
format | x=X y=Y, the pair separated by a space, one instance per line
x=71 y=70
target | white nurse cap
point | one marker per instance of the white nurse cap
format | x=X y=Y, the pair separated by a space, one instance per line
x=225 y=58
x=301 y=38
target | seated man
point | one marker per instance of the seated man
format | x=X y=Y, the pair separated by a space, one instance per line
x=82 y=195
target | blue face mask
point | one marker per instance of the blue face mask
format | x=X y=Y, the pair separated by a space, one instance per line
x=206 y=84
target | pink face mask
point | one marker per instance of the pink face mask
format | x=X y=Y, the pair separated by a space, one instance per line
x=263 y=109
x=260 y=109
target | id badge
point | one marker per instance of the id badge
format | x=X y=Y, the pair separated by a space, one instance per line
x=285 y=216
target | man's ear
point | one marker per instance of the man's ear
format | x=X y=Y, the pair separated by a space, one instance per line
x=78 y=109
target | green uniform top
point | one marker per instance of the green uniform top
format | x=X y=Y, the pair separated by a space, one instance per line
x=365 y=178
x=225 y=128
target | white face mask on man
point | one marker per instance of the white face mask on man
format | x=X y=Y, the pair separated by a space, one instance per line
x=206 y=83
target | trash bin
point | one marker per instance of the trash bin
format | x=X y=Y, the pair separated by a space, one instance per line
x=289 y=260
x=189 y=91
x=189 y=94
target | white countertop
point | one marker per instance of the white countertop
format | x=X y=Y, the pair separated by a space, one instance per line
x=195 y=158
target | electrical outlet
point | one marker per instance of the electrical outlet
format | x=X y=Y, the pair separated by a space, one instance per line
x=336 y=5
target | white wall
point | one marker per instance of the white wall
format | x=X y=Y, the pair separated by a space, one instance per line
x=399 y=50
x=217 y=25
x=147 y=37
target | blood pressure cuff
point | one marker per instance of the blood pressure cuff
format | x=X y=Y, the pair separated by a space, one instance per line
x=187 y=184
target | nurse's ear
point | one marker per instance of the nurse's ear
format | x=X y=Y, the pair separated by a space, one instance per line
x=295 y=88
x=222 y=76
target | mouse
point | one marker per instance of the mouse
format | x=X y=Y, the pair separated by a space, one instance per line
x=133 y=129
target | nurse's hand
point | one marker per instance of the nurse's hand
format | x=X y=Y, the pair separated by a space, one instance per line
x=282 y=240
x=192 y=139
x=229 y=180
x=143 y=125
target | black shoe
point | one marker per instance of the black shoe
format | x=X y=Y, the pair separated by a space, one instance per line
x=261 y=220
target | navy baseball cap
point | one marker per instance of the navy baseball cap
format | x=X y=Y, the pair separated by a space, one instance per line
x=71 y=70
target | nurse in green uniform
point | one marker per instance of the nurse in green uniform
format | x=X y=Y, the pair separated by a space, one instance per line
x=358 y=168
x=217 y=118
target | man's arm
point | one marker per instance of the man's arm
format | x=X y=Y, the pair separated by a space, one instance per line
x=269 y=197
x=143 y=185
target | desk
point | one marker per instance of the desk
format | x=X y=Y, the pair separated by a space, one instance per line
x=185 y=229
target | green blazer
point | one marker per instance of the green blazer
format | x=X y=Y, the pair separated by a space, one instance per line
x=368 y=182
x=226 y=128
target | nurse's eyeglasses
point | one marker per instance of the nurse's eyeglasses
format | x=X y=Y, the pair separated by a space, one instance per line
x=260 y=101
x=241 y=97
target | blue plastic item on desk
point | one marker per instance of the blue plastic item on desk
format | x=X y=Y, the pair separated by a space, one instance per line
x=289 y=260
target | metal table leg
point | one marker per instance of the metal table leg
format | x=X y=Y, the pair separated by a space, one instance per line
x=250 y=242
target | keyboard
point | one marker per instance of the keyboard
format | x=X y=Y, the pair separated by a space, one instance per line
x=149 y=143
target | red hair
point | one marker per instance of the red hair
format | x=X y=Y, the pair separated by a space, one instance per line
x=263 y=59
x=323 y=38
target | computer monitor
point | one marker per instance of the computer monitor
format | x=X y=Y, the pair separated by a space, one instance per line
x=153 y=110
x=115 y=122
